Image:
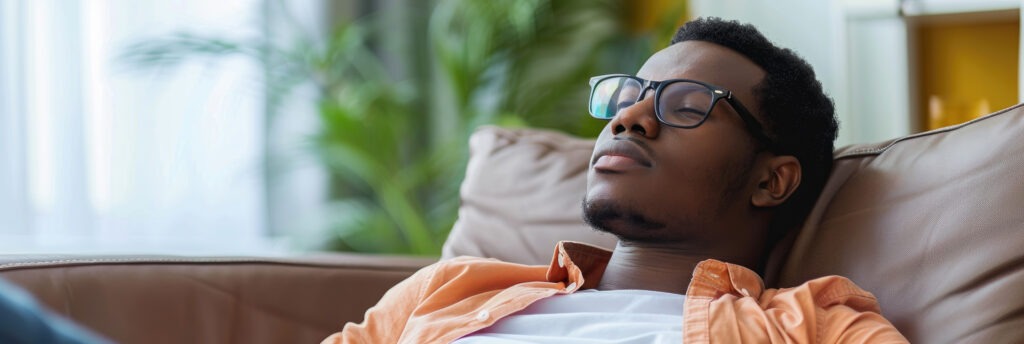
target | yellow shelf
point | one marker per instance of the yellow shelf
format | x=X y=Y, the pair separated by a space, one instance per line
x=967 y=66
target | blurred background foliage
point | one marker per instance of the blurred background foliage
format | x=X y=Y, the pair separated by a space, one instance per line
x=396 y=107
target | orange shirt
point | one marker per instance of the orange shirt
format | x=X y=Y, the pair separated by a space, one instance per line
x=725 y=303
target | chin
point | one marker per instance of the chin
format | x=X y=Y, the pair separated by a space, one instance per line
x=622 y=221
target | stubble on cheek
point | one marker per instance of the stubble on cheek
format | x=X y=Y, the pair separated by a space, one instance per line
x=733 y=181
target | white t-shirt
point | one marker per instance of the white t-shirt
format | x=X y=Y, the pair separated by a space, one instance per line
x=591 y=316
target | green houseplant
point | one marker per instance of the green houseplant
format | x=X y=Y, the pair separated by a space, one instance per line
x=393 y=145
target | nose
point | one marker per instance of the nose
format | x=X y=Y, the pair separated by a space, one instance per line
x=638 y=118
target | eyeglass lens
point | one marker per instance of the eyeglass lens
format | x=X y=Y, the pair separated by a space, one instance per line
x=681 y=103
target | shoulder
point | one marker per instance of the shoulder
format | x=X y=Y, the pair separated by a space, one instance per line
x=842 y=312
x=845 y=312
x=464 y=263
x=478 y=271
x=832 y=291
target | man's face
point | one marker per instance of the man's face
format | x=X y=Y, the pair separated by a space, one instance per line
x=653 y=183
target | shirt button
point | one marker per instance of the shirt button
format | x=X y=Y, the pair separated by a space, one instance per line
x=483 y=315
x=561 y=261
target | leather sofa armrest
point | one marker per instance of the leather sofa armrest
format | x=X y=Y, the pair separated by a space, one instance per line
x=168 y=299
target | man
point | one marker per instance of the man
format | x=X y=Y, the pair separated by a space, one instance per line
x=720 y=143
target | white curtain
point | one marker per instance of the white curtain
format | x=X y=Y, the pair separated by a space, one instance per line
x=96 y=156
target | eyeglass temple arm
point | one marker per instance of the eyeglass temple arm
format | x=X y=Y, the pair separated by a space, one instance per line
x=753 y=125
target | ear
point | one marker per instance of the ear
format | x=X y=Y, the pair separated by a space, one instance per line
x=777 y=181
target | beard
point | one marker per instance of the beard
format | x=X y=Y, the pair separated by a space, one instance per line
x=628 y=223
x=621 y=221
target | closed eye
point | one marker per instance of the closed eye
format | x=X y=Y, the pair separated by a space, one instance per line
x=689 y=110
x=685 y=116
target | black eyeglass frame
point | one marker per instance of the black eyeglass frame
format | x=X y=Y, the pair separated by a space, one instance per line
x=717 y=93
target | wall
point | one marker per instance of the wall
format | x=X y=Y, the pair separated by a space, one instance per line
x=855 y=48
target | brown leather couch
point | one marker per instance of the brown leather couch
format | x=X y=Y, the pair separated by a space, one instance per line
x=931 y=223
x=161 y=299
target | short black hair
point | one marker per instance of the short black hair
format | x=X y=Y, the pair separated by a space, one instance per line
x=798 y=116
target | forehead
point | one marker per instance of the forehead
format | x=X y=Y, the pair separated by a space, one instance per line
x=707 y=62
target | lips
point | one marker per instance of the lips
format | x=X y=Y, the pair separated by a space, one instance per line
x=621 y=155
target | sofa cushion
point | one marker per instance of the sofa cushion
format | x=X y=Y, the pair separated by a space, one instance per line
x=522 y=193
x=932 y=225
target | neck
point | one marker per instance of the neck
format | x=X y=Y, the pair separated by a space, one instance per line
x=649 y=267
x=657 y=267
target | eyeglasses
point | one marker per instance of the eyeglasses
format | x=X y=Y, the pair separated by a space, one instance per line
x=679 y=103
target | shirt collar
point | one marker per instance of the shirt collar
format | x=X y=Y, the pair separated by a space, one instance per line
x=714 y=278
x=584 y=264
x=579 y=263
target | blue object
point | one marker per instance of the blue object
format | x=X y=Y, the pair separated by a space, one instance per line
x=23 y=320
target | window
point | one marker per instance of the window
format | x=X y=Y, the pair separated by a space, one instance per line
x=96 y=156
